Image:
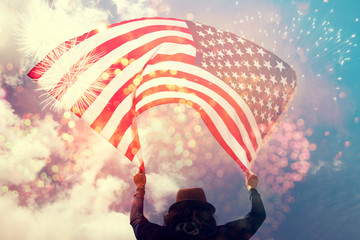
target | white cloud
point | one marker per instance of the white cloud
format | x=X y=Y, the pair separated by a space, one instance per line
x=131 y=9
x=160 y=189
x=24 y=149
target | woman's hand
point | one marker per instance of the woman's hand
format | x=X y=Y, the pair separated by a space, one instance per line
x=251 y=180
x=140 y=178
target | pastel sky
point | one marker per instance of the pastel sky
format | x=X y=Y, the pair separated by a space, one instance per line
x=60 y=180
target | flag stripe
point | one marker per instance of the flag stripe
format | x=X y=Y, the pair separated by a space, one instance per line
x=233 y=98
x=208 y=122
x=88 y=41
x=236 y=131
x=85 y=80
x=107 y=108
x=217 y=98
x=175 y=49
x=207 y=113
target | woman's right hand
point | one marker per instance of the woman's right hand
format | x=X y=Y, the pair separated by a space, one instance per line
x=140 y=178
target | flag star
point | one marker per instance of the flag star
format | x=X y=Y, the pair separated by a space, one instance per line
x=219 y=74
x=228 y=64
x=198 y=24
x=280 y=65
x=262 y=77
x=256 y=64
x=212 y=64
x=253 y=99
x=262 y=115
x=229 y=53
x=246 y=98
x=237 y=64
x=238 y=51
x=221 y=41
x=272 y=79
x=258 y=89
x=212 y=54
x=261 y=51
x=246 y=63
x=269 y=105
x=233 y=85
x=261 y=102
x=221 y=54
x=269 y=118
x=226 y=74
x=284 y=96
x=283 y=81
x=211 y=43
x=293 y=83
x=262 y=128
x=219 y=65
x=219 y=31
x=253 y=76
x=267 y=91
x=267 y=65
x=229 y=39
x=276 y=108
x=206 y=54
x=210 y=32
x=235 y=75
x=276 y=93
x=249 y=51
x=204 y=65
x=250 y=87
x=241 y=86
x=203 y=44
x=241 y=40
x=244 y=75
x=201 y=34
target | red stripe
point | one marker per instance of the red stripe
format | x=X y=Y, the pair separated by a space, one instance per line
x=133 y=148
x=44 y=65
x=208 y=122
x=135 y=54
x=121 y=94
x=215 y=88
x=229 y=122
x=108 y=46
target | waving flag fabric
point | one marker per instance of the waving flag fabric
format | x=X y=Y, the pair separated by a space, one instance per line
x=109 y=77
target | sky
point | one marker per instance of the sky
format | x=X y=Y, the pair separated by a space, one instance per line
x=61 y=180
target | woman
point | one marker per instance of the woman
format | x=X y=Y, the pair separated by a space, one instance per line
x=191 y=216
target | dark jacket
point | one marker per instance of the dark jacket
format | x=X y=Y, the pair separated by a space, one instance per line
x=239 y=229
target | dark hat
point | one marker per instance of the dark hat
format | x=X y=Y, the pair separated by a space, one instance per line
x=192 y=197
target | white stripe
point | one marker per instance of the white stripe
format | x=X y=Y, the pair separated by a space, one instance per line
x=215 y=118
x=215 y=96
x=213 y=79
x=63 y=64
x=116 y=117
x=100 y=102
x=87 y=78
x=126 y=140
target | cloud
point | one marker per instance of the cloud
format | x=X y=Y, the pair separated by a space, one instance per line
x=25 y=148
x=140 y=8
x=64 y=220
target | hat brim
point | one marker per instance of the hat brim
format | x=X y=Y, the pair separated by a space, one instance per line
x=193 y=203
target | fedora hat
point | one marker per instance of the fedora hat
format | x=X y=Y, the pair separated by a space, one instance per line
x=192 y=197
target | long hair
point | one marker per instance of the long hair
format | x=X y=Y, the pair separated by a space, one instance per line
x=175 y=217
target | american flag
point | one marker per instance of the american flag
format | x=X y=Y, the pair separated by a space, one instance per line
x=108 y=77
